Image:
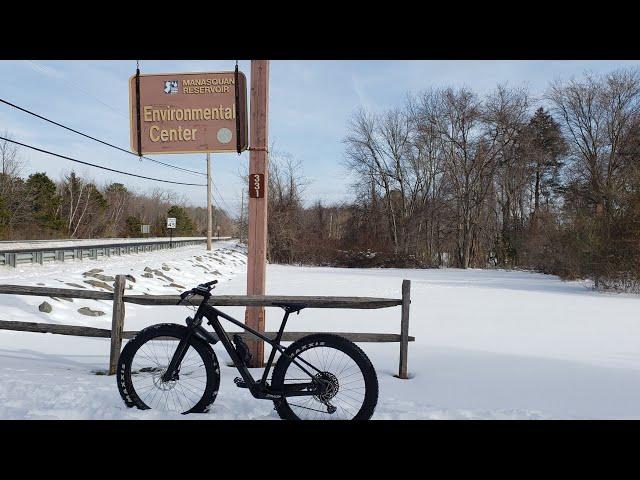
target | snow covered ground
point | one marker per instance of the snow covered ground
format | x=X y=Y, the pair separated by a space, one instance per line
x=489 y=344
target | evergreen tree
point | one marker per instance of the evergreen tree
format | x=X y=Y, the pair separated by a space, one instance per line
x=547 y=147
x=184 y=224
x=45 y=202
x=133 y=226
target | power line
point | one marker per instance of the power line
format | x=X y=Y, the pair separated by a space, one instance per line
x=221 y=197
x=97 y=139
x=99 y=166
x=44 y=70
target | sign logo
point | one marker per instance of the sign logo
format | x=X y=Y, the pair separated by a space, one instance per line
x=171 y=86
x=224 y=135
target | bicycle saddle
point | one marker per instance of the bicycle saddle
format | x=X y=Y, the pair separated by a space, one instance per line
x=291 y=307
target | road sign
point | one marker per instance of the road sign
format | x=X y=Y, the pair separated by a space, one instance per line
x=145 y=228
x=256 y=185
x=188 y=112
x=171 y=222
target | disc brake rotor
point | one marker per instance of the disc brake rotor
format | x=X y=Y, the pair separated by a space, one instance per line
x=331 y=385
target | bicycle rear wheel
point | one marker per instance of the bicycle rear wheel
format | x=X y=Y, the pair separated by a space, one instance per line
x=146 y=357
x=352 y=380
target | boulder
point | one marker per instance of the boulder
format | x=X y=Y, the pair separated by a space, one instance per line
x=147 y=275
x=93 y=271
x=131 y=278
x=99 y=284
x=89 y=312
x=104 y=278
x=45 y=307
x=160 y=274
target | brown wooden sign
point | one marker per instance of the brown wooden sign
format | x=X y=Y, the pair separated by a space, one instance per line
x=256 y=185
x=188 y=112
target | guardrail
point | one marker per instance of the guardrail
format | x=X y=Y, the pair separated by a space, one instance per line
x=117 y=332
x=20 y=256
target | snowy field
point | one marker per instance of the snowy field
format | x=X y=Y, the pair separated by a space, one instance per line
x=489 y=344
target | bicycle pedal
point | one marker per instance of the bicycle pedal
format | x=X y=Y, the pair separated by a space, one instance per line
x=240 y=383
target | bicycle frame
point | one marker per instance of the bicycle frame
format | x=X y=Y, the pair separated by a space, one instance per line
x=258 y=388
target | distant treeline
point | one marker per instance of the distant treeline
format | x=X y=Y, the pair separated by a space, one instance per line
x=38 y=207
x=456 y=178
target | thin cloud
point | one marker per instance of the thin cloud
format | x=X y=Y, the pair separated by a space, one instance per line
x=48 y=71
x=362 y=97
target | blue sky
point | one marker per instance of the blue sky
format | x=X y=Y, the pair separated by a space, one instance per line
x=310 y=104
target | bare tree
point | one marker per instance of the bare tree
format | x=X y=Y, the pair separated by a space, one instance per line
x=14 y=202
x=118 y=198
x=597 y=114
x=82 y=204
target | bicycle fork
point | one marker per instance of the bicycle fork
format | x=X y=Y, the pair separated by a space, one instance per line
x=194 y=328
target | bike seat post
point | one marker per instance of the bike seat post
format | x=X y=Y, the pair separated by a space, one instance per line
x=277 y=342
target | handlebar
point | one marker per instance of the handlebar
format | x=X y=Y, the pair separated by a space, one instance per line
x=202 y=289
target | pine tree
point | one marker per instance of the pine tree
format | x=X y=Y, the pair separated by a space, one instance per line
x=45 y=201
x=547 y=147
x=133 y=226
x=184 y=224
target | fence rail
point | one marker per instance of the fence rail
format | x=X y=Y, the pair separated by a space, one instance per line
x=14 y=256
x=117 y=332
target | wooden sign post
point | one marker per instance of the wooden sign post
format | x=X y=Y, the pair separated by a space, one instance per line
x=259 y=175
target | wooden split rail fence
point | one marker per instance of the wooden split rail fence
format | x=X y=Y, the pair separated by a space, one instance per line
x=119 y=298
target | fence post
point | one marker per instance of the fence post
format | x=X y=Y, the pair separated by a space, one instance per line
x=117 y=323
x=404 y=328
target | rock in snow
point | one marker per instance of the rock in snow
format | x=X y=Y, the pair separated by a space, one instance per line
x=93 y=271
x=45 y=307
x=99 y=284
x=89 y=312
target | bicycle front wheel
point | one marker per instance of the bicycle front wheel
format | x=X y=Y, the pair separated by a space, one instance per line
x=145 y=359
x=352 y=392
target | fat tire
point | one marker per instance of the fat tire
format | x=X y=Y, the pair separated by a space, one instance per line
x=339 y=343
x=123 y=374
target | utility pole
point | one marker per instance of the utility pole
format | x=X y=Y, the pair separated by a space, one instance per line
x=209 y=213
x=241 y=232
x=257 y=236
